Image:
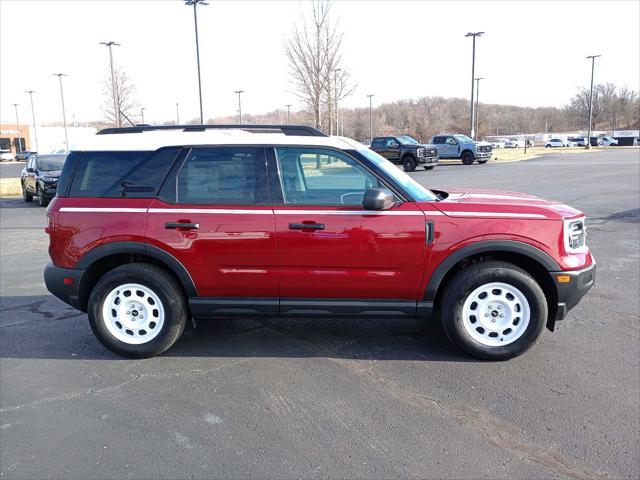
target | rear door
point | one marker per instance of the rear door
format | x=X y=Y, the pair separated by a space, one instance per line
x=214 y=215
x=334 y=256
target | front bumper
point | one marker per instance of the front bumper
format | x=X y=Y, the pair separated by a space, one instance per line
x=570 y=293
x=428 y=160
x=484 y=154
x=49 y=188
x=68 y=291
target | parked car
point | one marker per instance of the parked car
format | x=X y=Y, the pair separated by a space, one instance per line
x=22 y=156
x=406 y=151
x=462 y=147
x=595 y=141
x=609 y=141
x=7 y=156
x=556 y=142
x=39 y=177
x=514 y=143
x=150 y=229
x=499 y=143
x=578 y=141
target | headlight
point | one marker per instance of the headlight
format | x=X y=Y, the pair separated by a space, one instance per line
x=422 y=152
x=575 y=235
x=49 y=179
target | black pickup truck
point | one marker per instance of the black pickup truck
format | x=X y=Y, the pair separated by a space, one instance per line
x=406 y=151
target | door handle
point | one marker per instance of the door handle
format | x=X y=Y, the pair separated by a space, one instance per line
x=306 y=226
x=185 y=225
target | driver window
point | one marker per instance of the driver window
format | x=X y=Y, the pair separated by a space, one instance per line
x=391 y=143
x=322 y=177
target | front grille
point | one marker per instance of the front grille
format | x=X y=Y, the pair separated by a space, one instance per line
x=485 y=148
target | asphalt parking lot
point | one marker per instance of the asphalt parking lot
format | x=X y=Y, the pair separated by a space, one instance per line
x=302 y=398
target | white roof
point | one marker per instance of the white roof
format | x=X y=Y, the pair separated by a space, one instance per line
x=153 y=139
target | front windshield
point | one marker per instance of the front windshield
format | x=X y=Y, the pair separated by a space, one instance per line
x=417 y=191
x=48 y=163
x=462 y=138
x=408 y=140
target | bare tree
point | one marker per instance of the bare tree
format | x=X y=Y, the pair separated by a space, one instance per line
x=314 y=53
x=125 y=93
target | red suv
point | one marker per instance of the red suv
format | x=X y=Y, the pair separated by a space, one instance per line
x=154 y=226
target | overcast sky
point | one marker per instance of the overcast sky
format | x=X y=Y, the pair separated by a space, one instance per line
x=532 y=54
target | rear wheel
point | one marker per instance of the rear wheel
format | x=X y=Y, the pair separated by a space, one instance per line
x=409 y=163
x=137 y=310
x=26 y=196
x=493 y=310
x=467 y=158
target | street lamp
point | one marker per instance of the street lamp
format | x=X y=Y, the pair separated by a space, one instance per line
x=288 y=105
x=239 y=92
x=18 y=144
x=177 y=114
x=195 y=4
x=141 y=114
x=473 y=74
x=335 y=83
x=593 y=65
x=370 y=118
x=478 y=101
x=116 y=109
x=33 y=115
x=64 y=115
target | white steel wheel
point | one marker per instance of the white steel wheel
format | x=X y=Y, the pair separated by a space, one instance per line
x=496 y=314
x=133 y=313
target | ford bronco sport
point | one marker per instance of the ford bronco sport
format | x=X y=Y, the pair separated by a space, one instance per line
x=154 y=226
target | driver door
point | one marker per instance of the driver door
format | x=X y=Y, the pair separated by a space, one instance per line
x=332 y=252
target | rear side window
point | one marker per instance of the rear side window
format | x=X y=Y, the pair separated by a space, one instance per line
x=121 y=174
x=223 y=176
x=438 y=140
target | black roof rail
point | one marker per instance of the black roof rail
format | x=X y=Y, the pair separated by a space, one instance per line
x=296 y=130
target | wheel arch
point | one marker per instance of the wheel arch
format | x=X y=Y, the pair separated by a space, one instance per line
x=101 y=259
x=467 y=150
x=531 y=259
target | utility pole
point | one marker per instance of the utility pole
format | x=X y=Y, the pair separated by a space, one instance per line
x=593 y=66
x=116 y=110
x=18 y=143
x=64 y=115
x=239 y=92
x=288 y=105
x=370 y=118
x=473 y=35
x=177 y=114
x=142 y=114
x=335 y=83
x=478 y=102
x=33 y=115
x=195 y=4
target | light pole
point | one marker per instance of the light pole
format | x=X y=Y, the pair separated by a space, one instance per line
x=288 y=105
x=195 y=4
x=335 y=83
x=478 y=101
x=593 y=66
x=64 y=115
x=370 y=117
x=18 y=144
x=113 y=82
x=177 y=114
x=142 y=114
x=473 y=35
x=33 y=115
x=239 y=92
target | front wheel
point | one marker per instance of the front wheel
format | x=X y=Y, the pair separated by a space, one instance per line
x=493 y=310
x=26 y=196
x=409 y=163
x=42 y=200
x=482 y=162
x=137 y=310
x=429 y=167
x=467 y=158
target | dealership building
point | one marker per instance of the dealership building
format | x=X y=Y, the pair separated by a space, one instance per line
x=48 y=139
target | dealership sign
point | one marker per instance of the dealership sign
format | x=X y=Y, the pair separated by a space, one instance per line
x=626 y=133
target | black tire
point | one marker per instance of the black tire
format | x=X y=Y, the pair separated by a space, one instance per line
x=482 y=162
x=26 y=196
x=409 y=163
x=167 y=290
x=467 y=158
x=42 y=200
x=547 y=146
x=467 y=281
x=429 y=167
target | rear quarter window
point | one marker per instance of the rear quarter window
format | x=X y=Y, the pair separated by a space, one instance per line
x=135 y=174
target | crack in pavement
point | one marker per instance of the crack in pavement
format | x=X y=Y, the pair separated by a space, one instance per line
x=496 y=431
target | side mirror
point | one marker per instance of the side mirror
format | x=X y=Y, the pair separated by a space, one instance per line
x=30 y=170
x=378 y=198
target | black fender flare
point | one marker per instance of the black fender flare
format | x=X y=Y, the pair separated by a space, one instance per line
x=113 y=248
x=467 y=150
x=486 y=246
